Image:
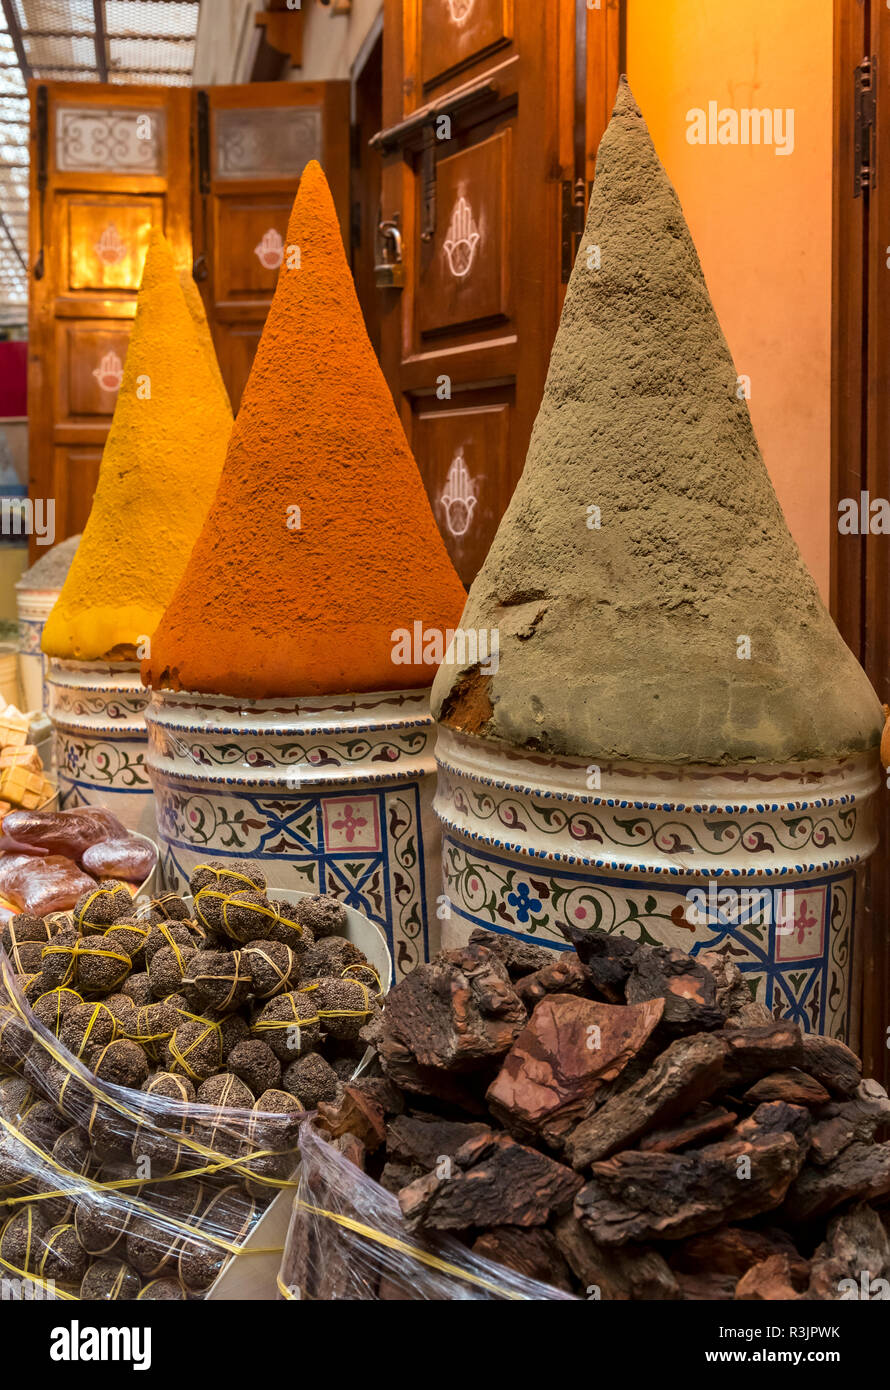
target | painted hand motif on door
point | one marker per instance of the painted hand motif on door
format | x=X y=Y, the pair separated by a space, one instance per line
x=110 y=248
x=270 y=250
x=463 y=238
x=458 y=499
x=110 y=372
x=460 y=10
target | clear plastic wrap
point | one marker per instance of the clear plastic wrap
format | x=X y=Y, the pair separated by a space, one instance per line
x=109 y=1192
x=348 y=1240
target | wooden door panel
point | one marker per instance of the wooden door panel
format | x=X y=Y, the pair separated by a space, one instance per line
x=76 y=471
x=90 y=355
x=464 y=271
x=257 y=139
x=248 y=246
x=465 y=450
x=485 y=201
x=106 y=154
x=105 y=241
x=456 y=33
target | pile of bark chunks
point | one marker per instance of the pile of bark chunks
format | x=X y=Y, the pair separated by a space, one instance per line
x=622 y=1121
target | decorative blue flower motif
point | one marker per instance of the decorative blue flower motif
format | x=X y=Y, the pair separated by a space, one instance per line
x=523 y=902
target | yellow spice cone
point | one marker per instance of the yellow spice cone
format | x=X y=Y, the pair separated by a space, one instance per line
x=159 y=473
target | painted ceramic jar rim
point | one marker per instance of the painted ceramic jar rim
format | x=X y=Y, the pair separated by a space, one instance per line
x=182 y=725
x=773 y=820
x=71 y=683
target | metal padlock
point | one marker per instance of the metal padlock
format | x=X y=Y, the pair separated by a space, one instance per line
x=389 y=270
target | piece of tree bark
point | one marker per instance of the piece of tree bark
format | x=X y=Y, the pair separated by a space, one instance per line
x=520 y=957
x=847 y=1122
x=456 y=1013
x=422 y=1140
x=569 y=1048
x=351 y=1147
x=565 y=974
x=684 y=1075
x=651 y=1196
x=734 y=997
x=632 y=1272
x=606 y=956
x=733 y=1250
x=532 y=1252
x=705 y=1122
x=856 y=1245
x=768 y=1282
x=491 y=1181
x=794 y=1087
x=776 y=1117
x=861 y=1172
x=356 y=1113
x=755 y=1052
x=689 y=989
x=832 y=1063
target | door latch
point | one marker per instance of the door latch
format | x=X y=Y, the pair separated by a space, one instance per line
x=389 y=268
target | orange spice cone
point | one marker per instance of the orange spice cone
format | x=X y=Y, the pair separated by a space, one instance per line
x=320 y=546
x=160 y=466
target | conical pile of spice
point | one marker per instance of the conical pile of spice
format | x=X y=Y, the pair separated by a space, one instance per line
x=320 y=546
x=160 y=467
x=650 y=600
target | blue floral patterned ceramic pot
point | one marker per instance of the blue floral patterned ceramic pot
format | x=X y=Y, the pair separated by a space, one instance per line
x=333 y=793
x=98 y=717
x=757 y=861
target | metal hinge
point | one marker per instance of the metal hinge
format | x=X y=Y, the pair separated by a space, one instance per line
x=864 y=142
x=574 y=216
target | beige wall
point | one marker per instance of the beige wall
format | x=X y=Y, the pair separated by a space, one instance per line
x=226 y=35
x=761 y=221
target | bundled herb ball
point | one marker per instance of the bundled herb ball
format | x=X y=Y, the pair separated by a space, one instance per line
x=57 y=958
x=166 y=1086
x=243 y=915
x=311 y=1079
x=344 y=1007
x=21 y=1240
x=222 y=979
x=53 y=1007
x=101 y=906
x=153 y=1028
x=227 y=875
x=169 y=907
x=124 y=1010
x=275 y=968
x=43 y=1125
x=232 y=1031
x=138 y=988
x=61 y=1257
x=101 y=965
x=289 y=1024
x=101 y=1225
x=123 y=1063
x=31 y=987
x=256 y=1065
x=15 y=1095
x=15 y=1041
x=225 y=1092
x=195 y=1049
x=107 y=1281
x=288 y=930
x=330 y=955
x=87 y=1029
x=274 y=1125
x=72 y=1151
x=131 y=937
x=152 y=1245
x=169 y=968
x=199 y=1263
x=323 y=915
x=161 y=1153
x=26 y=956
x=162 y=1291
x=21 y=928
x=163 y=934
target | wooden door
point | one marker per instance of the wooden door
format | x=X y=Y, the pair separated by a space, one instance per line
x=492 y=113
x=104 y=171
x=251 y=144
x=860 y=436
